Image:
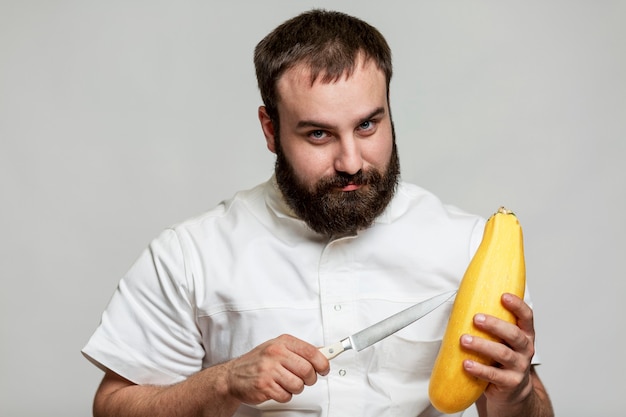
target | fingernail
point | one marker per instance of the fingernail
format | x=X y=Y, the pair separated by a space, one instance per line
x=468 y=364
x=479 y=318
x=466 y=339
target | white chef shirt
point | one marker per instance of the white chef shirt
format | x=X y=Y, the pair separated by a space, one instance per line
x=214 y=287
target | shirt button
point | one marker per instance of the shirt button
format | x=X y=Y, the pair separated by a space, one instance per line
x=342 y=372
x=337 y=307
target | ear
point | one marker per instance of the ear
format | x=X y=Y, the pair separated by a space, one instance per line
x=268 y=129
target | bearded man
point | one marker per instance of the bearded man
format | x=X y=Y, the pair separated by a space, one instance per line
x=224 y=313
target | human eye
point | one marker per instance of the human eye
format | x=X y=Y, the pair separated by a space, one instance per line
x=317 y=135
x=367 y=127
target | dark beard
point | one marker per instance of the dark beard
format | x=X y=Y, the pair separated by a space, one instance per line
x=331 y=212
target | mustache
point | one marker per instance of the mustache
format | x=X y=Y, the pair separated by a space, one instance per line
x=341 y=179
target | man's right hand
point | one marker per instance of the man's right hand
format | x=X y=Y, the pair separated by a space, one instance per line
x=275 y=370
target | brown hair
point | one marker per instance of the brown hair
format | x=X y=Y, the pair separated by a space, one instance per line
x=327 y=42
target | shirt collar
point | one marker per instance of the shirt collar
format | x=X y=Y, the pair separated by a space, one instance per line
x=276 y=202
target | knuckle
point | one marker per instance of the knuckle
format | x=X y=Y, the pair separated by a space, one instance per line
x=299 y=388
x=283 y=397
x=518 y=379
x=274 y=349
x=310 y=378
x=490 y=373
x=262 y=386
x=310 y=351
x=507 y=356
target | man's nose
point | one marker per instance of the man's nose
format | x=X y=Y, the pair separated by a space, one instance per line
x=349 y=159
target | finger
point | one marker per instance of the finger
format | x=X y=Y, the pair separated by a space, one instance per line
x=277 y=392
x=301 y=368
x=502 y=378
x=521 y=310
x=509 y=333
x=311 y=354
x=494 y=351
x=289 y=382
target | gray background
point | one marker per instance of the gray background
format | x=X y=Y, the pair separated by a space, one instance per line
x=120 y=118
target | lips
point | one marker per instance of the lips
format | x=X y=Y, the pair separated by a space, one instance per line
x=351 y=187
x=342 y=182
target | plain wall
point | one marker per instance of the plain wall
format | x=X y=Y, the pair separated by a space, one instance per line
x=120 y=118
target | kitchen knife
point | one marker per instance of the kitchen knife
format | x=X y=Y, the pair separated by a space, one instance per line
x=386 y=327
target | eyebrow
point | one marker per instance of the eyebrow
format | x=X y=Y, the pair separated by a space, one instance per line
x=313 y=123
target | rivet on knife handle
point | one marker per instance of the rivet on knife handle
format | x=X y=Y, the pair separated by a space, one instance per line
x=333 y=350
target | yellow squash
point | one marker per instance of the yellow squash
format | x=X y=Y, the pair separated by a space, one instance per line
x=497 y=267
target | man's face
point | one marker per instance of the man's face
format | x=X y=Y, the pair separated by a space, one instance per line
x=336 y=159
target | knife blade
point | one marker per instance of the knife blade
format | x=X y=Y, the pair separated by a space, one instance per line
x=386 y=327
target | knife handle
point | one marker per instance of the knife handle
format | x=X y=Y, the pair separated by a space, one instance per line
x=333 y=350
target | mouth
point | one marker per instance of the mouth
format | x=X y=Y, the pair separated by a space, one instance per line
x=351 y=187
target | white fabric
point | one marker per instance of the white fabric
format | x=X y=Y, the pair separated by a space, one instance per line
x=216 y=286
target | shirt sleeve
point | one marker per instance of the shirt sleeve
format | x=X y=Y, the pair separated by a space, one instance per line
x=148 y=333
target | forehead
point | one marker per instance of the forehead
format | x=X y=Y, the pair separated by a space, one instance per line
x=299 y=91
